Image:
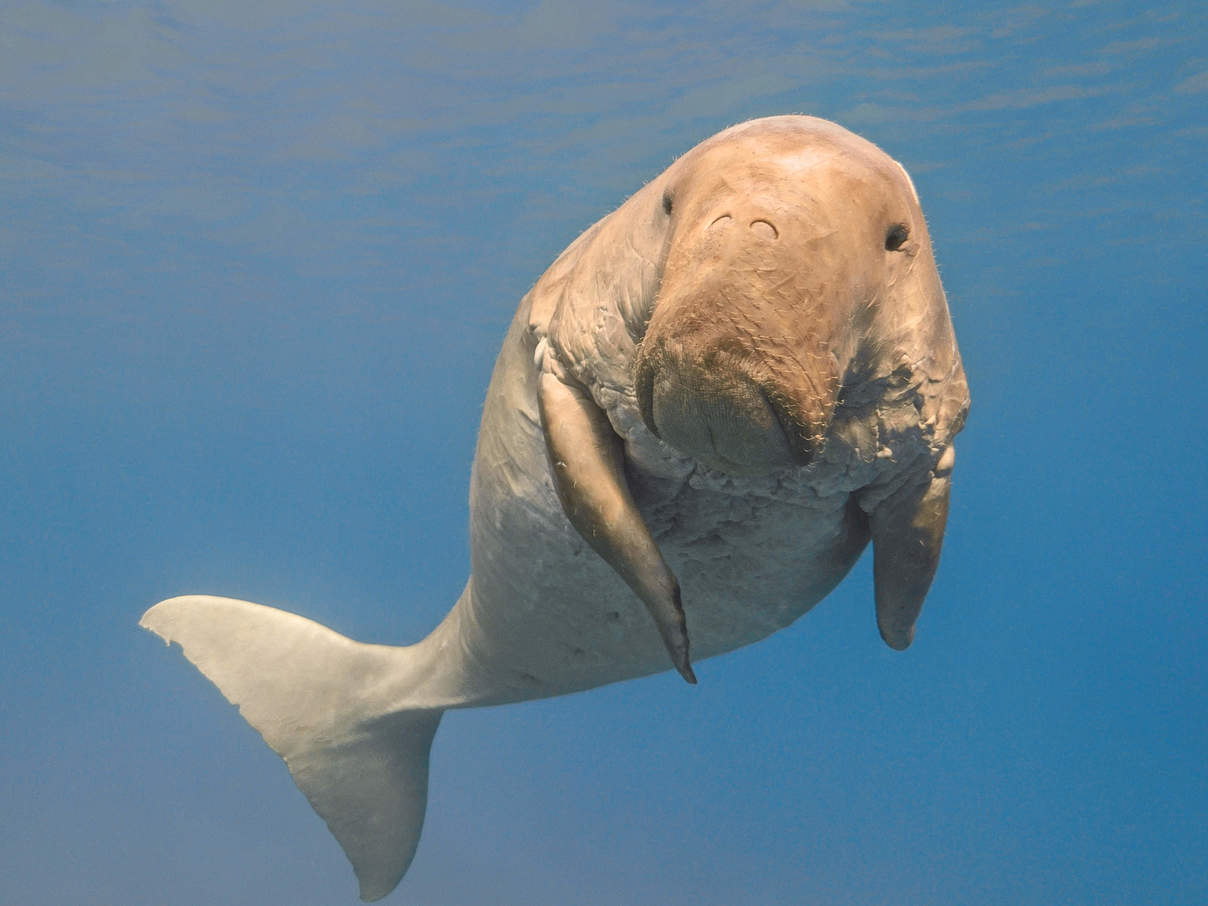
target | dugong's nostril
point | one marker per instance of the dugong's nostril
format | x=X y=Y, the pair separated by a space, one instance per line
x=721 y=221
x=764 y=228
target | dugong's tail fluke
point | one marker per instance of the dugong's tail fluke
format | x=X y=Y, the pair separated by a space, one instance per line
x=324 y=704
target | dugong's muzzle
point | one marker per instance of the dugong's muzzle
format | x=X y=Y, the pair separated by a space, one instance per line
x=722 y=402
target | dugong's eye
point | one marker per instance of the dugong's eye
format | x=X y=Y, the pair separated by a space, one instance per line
x=896 y=237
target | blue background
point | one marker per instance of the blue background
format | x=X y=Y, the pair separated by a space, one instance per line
x=255 y=264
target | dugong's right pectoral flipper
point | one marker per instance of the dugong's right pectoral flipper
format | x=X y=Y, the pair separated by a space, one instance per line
x=587 y=463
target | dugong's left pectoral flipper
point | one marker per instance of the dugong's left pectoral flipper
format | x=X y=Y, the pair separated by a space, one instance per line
x=587 y=464
x=907 y=534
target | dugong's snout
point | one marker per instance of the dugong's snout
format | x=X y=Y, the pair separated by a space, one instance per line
x=720 y=402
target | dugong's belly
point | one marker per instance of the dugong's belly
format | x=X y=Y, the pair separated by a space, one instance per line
x=543 y=614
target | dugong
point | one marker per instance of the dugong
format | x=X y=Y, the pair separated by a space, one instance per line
x=701 y=414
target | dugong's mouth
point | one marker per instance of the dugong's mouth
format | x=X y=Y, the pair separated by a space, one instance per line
x=722 y=417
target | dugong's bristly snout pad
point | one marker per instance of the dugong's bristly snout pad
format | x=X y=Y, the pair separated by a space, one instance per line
x=718 y=402
x=734 y=381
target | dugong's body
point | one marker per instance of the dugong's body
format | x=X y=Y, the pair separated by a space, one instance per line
x=701 y=414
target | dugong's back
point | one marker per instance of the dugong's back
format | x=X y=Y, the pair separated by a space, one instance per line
x=701 y=415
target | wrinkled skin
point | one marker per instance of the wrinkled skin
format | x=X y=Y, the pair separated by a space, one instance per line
x=782 y=309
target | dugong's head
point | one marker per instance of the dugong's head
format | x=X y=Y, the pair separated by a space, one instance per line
x=799 y=306
x=797 y=270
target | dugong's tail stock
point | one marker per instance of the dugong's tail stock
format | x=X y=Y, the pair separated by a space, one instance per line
x=331 y=708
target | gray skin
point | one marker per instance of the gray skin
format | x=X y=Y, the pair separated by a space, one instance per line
x=729 y=384
x=702 y=413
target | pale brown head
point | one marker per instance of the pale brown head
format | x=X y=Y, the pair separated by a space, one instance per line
x=796 y=258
